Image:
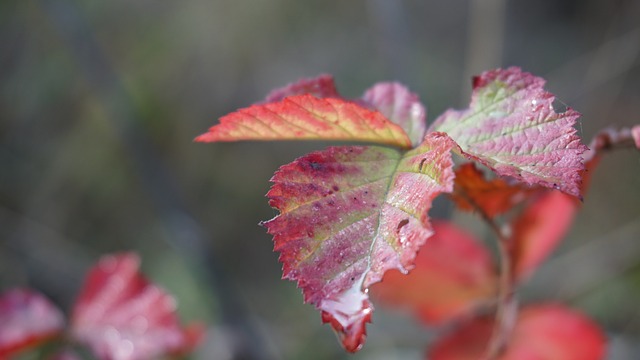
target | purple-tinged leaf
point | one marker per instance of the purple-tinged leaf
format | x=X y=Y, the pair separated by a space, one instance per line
x=305 y=117
x=511 y=127
x=401 y=106
x=347 y=215
x=26 y=319
x=321 y=86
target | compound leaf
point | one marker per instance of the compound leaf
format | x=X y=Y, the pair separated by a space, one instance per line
x=305 y=117
x=512 y=127
x=347 y=215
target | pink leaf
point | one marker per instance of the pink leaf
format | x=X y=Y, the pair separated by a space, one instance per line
x=122 y=316
x=347 y=215
x=26 y=320
x=453 y=275
x=321 y=86
x=304 y=117
x=542 y=332
x=511 y=127
x=539 y=230
x=635 y=133
x=401 y=106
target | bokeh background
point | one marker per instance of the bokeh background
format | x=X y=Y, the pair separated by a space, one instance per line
x=100 y=101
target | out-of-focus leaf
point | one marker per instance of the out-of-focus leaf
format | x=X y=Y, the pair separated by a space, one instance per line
x=121 y=316
x=511 y=127
x=453 y=275
x=347 y=215
x=538 y=231
x=542 y=332
x=26 y=320
x=635 y=132
x=401 y=106
x=321 y=86
x=305 y=117
x=493 y=197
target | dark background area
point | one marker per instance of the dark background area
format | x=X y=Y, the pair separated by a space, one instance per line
x=100 y=101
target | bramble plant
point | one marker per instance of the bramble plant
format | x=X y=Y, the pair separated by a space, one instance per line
x=355 y=218
x=351 y=216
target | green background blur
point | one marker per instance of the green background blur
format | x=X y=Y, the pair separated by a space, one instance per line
x=100 y=101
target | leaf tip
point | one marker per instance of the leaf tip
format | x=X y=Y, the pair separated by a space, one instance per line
x=353 y=334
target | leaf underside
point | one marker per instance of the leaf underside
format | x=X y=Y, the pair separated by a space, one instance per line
x=493 y=197
x=512 y=127
x=347 y=215
x=305 y=117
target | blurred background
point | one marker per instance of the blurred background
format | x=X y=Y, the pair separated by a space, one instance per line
x=100 y=101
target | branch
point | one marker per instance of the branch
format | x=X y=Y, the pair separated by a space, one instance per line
x=610 y=139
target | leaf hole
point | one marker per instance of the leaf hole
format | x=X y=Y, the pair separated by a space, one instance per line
x=421 y=164
x=401 y=224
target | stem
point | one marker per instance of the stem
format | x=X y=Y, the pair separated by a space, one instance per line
x=505 y=297
x=506 y=305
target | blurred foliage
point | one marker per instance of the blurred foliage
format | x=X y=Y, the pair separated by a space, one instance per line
x=97 y=156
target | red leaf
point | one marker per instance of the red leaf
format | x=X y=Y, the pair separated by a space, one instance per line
x=304 y=117
x=538 y=231
x=493 y=197
x=122 y=316
x=347 y=215
x=401 y=106
x=321 y=86
x=542 y=332
x=511 y=127
x=453 y=275
x=26 y=320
